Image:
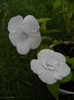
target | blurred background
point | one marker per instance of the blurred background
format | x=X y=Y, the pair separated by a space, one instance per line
x=17 y=81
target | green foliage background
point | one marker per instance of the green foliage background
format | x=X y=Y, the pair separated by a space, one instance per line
x=17 y=81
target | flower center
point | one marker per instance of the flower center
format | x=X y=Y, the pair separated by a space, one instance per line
x=48 y=66
x=24 y=34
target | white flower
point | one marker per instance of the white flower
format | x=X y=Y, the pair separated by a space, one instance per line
x=50 y=66
x=24 y=33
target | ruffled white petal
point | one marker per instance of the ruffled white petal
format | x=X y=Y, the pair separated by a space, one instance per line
x=50 y=54
x=45 y=54
x=15 y=23
x=34 y=40
x=23 y=47
x=63 y=69
x=59 y=57
x=31 y=24
x=36 y=66
x=47 y=77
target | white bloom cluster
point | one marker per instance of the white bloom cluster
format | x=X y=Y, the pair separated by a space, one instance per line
x=50 y=66
x=24 y=33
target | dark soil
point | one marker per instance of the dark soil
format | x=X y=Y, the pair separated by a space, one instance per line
x=68 y=50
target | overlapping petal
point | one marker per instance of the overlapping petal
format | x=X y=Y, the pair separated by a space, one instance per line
x=63 y=69
x=59 y=57
x=15 y=23
x=47 y=54
x=36 y=66
x=47 y=77
x=15 y=37
x=31 y=24
x=34 y=40
x=23 y=47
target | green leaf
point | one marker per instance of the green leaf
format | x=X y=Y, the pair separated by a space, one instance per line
x=70 y=61
x=70 y=11
x=55 y=42
x=46 y=38
x=54 y=89
x=43 y=26
x=57 y=3
x=67 y=78
x=41 y=47
x=41 y=20
x=72 y=66
x=52 y=31
x=65 y=9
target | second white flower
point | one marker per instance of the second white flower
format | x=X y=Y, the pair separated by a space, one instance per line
x=50 y=66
